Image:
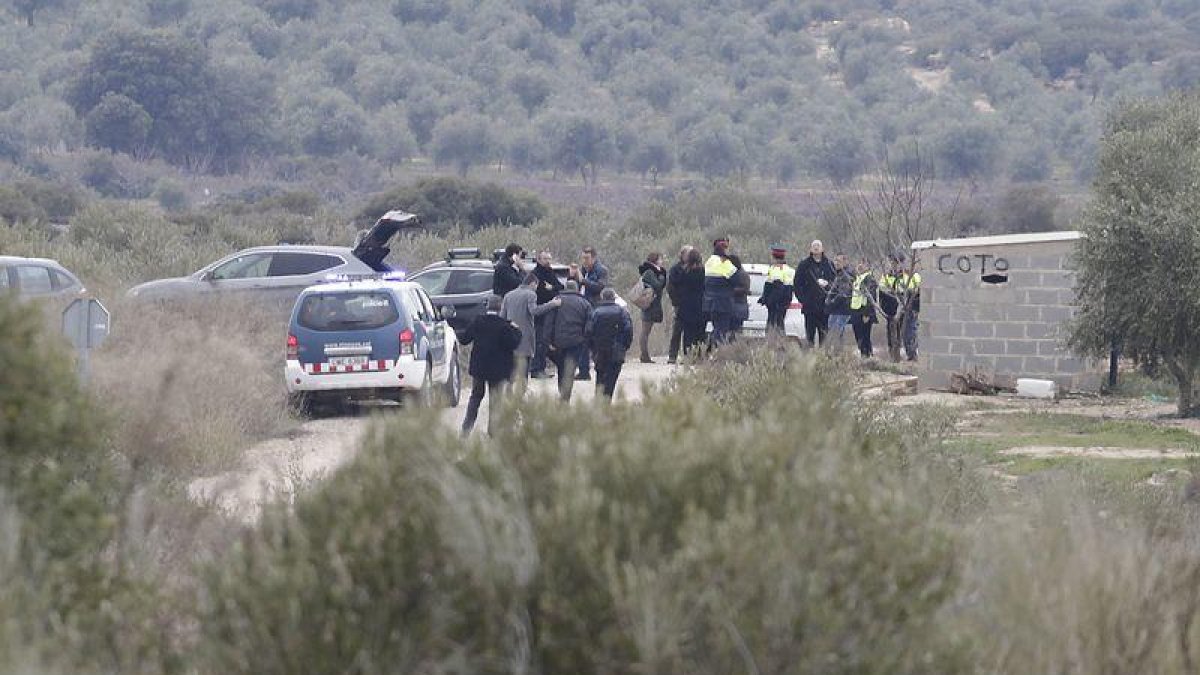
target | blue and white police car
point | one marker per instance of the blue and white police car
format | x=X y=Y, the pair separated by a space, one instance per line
x=370 y=337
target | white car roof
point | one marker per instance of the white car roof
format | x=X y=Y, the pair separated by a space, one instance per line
x=755 y=268
x=344 y=251
x=6 y=259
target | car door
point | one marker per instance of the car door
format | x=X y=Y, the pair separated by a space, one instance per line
x=470 y=289
x=421 y=312
x=242 y=274
x=441 y=350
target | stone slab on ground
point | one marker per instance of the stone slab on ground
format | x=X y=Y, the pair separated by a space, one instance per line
x=1098 y=452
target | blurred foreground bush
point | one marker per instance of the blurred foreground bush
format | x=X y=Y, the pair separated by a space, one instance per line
x=679 y=534
x=65 y=597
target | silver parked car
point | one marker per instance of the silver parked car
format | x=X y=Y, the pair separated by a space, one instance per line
x=36 y=278
x=279 y=273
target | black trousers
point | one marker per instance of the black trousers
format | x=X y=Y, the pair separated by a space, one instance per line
x=775 y=318
x=608 y=368
x=693 y=335
x=676 y=338
x=816 y=327
x=495 y=391
x=862 y=333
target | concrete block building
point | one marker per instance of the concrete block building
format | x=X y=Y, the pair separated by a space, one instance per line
x=1000 y=305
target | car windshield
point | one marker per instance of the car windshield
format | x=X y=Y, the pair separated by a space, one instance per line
x=356 y=310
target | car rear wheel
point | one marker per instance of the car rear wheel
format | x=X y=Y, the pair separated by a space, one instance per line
x=454 y=382
x=423 y=397
x=300 y=404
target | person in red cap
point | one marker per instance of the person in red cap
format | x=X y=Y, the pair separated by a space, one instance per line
x=719 y=271
x=777 y=291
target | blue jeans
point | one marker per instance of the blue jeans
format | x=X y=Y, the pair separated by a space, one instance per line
x=837 y=329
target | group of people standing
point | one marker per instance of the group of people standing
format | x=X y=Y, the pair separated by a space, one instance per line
x=832 y=296
x=534 y=318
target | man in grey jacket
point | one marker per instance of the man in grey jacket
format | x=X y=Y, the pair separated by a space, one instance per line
x=568 y=338
x=521 y=308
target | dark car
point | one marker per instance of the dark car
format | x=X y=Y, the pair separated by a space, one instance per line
x=464 y=281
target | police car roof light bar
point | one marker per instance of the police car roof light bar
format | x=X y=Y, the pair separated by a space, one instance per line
x=463 y=253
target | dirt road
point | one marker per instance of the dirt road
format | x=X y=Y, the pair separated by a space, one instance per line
x=281 y=467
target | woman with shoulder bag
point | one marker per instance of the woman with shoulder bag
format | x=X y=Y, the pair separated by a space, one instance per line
x=654 y=278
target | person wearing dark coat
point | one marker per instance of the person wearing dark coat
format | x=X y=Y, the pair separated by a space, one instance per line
x=568 y=336
x=814 y=274
x=690 y=308
x=674 y=279
x=593 y=278
x=610 y=334
x=741 y=298
x=655 y=278
x=548 y=289
x=492 y=360
x=507 y=274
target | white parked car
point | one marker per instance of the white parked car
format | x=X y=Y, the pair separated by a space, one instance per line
x=756 y=326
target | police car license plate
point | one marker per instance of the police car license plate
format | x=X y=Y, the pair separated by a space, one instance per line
x=359 y=360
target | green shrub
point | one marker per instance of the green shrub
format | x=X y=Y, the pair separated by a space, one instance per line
x=675 y=535
x=445 y=202
x=66 y=599
x=172 y=196
x=58 y=200
x=17 y=207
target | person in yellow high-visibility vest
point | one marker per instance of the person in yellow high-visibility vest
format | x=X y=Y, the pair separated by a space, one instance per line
x=911 y=281
x=777 y=291
x=862 y=308
x=719 y=271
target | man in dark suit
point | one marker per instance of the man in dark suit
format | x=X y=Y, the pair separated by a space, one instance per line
x=492 y=360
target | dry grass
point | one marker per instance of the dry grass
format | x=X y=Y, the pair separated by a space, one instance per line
x=192 y=386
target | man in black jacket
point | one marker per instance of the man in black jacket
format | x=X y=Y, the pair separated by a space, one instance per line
x=508 y=273
x=610 y=333
x=813 y=276
x=674 y=280
x=568 y=337
x=548 y=288
x=492 y=360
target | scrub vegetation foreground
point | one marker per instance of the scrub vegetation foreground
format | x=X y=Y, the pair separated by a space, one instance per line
x=752 y=516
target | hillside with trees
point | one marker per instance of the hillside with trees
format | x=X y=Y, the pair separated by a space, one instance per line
x=783 y=90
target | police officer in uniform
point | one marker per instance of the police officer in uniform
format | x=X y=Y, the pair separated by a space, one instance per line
x=719 y=271
x=777 y=291
x=862 y=308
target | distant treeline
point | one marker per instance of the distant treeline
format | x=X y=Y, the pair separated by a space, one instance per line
x=781 y=89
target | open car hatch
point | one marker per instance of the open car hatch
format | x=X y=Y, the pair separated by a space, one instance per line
x=371 y=246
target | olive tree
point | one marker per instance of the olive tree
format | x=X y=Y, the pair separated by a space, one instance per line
x=1139 y=263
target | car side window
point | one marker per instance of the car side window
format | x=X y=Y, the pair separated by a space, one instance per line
x=469 y=282
x=427 y=305
x=419 y=311
x=435 y=282
x=248 y=266
x=4 y=284
x=34 y=280
x=298 y=264
x=61 y=280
